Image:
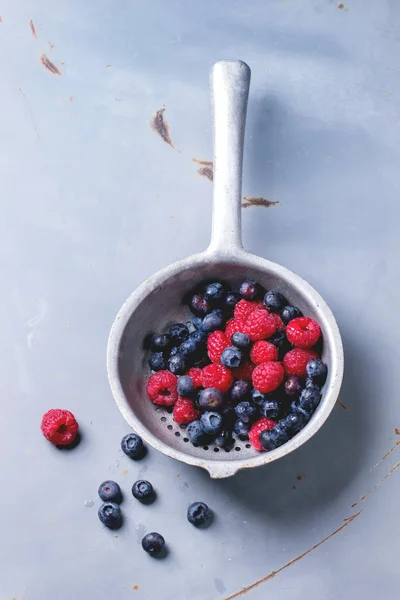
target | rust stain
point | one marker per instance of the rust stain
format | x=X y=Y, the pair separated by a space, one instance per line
x=71 y=98
x=384 y=457
x=108 y=66
x=115 y=536
x=258 y=202
x=340 y=5
x=1 y=20
x=272 y=574
x=342 y=405
x=91 y=422
x=300 y=477
x=160 y=126
x=125 y=472
x=49 y=66
x=31 y=25
x=51 y=46
x=135 y=588
x=206 y=168
x=397 y=431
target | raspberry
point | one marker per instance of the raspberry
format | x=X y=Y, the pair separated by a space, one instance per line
x=263 y=351
x=161 y=388
x=262 y=424
x=295 y=361
x=259 y=325
x=195 y=374
x=185 y=411
x=218 y=377
x=280 y=325
x=268 y=376
x=216 y=344
x=59 y=427
x=244 y=308
x=244 y=372
x=233 y=326
x=303 y=332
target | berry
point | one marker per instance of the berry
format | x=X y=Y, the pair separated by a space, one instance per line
x=211 y=422
x=199 y=305
x=293 y=385
x=259 y=325
x=295 y=361
x=274 y=301
x=210 y=398
x=214 y=320
x=279 y=340
x=178 y=333
x=157 y=361
x=229 y=416
x=198 y=514
x=312 y=384
x=199 y=337
x=268 y=376
x=294 y=421
x=232 y=298
x=288 y=313
x=143 y=490
x=110 y=515
x=270 y=409
x=177 y=364
x=263 y=351
x=240 y=340
x=303 y=332
x=224 y=439
x=272 y=438
x=316 y=370
x=245 y=371
x=189 y=347
x=257 y=397
x=262 y=424
x=280 y=326
x=241 y=429
x=132 y=445
x=185 y=386
x=59 y=427
x=153 y=543
x=244 y=308
x=250 y=290
x=195 y=375
x=161 y=387
x=246 y=412
x=216 y=344
x=214 y=293
x=240 y=390
x=196 y=433
x=232 y=326
x=309 y=399
x=197 y=322
x=185 y=411
x=161 y=342
x=174 y=350
x=231 y=357
x=109 y=491
x=217 y=376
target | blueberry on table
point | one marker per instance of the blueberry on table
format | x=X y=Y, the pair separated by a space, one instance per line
x=196 y=433
x=288 y=313
x=177 y=364
x=210 y=398
x=293 y=385
x=214 y=320
x=214 y=293
x=274 y=301
x=185 y=386
x=317 y=371
x=160 y=342
x=199 y=305
x=270 y=409
x=240 y=390
x=110 y=515
x=211 y=422
x=199 y=514
x=250 y=290
x=246 y=412
x=143 y=490
x=157 y=361
x=153 y=543
x=109 y=491
x=241 y=340
x=132 y=445
x=241 y=429
x=178 y=333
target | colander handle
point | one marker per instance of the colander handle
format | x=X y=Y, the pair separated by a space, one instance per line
x=230 y=84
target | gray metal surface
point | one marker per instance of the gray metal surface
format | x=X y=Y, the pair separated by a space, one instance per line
x=93 y=202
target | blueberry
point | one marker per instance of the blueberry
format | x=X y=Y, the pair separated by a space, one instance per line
x=274 y=301
x=228 y=416
x=312 y=384
x=199 y=305
x=177 y=364
x=288 y=313
x=224 y=439
x=179 y=333
x=132 y=445
x=197 y=322
x=295 y=421
x=293 y=385
x=250 y=290
x=157 y=362
x=240 y=391
x=185 y=386
x=153 y=543
x=199 y=514
x=174 y=350
x=143 y=490
x=280 y=340
x=246 y=412
x=232 y=298
x=258 y=397
x=240 y=340
x=270 y=409
x=110 y=515
x=210 y=398
x=188 y=348
x=214 y=293
x=211 y=422
x=317 y=371
x=160 y=342
x=296 y=408
x=231 y=357
x=241 y=429
x=109 y=491
x=309 y=399
x=196 y=433
x=274 y=437
x=213 y=321
x=199 y=337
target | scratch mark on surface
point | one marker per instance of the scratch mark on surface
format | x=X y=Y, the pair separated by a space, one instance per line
x=160 y=126
x=384 y=457
x=272 y=574
x=377 y=485
x=31 y=25
x=49 y=66
x=30 y=112
x=341 y=405
x=206 y=168
x=258 y=202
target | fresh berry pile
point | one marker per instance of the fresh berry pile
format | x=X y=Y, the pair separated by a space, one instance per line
x=247 y=365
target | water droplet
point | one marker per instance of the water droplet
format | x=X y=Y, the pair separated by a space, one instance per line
x=89 y=503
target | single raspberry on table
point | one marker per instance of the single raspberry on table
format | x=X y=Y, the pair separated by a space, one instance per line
x=303 y=332
x=280 y=325
x=263 y=351
x=216 y=344
x=161 y=388
x=268 y=376
x=185 y=411
x=244 y=372
x=244 y=308
x=195 y=374
x=260 y=325
x=259 y=426
x=295 y=361
x=217 y=376
x=234 y=326
x=59 y=427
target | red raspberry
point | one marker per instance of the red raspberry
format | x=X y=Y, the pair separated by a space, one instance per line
x=233 y=326
x=59 y=427
x=258 y=427
x=263 y=351
x=295 y=361
x=260 y=325
x=244 y=372
x=195 y=374
x=303 y=332
x=280 y=326
x=244 y=308
x=217 y=376
x=161 y=388
x=216 y=344
x=268 y=376
x=185 y=411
